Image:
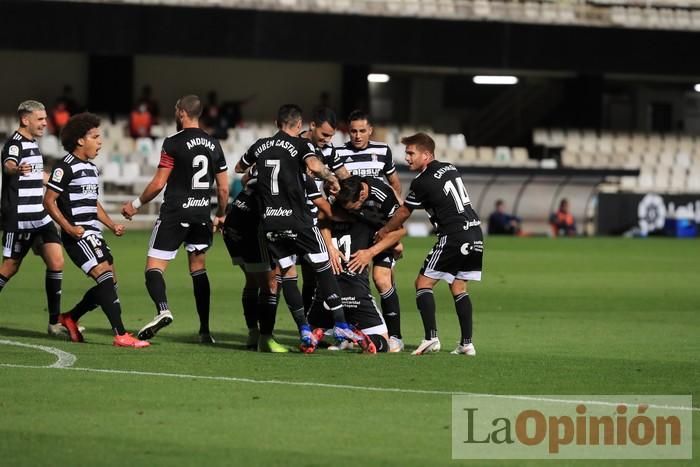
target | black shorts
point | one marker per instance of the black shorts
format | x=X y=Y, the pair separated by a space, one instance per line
x=87 y=252
x=385 y=259
x=247 y=247
x=456 y=256
x=285 y=245
x=169 y=234
x=16 y=245
x=360 y=308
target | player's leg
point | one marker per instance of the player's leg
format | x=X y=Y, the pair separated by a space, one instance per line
x=106 y=293
x=14 y=249
x=198 y=240
x=93 y=256
x=52 y=254
x=463 y=307
x=383 y=277
x=311 y=244
x=426 y=306
x=295 y=303
x=267 y=311
x=249 y=301
x=166 y=238
x=308 y=288
x=470 y=256
x=202 y=293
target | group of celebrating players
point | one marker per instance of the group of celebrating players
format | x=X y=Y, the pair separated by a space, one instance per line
x=331 y=210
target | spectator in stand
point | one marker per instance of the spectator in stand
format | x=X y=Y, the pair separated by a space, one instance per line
x=65 y=106
x=501 y=223
x=68 y=100
x=140 y=121
x=213 y=120
x=59 y=117
x=151 y=103
x=562 y=221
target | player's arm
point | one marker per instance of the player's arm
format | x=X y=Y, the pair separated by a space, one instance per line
x=395 y=222
x=395 y=183
x=51 y=207
x=10 y=162
x=103 y=217
x=222 y=198
x=342 y=173
x=318 y=168
x=334 y=255
x=247 y=160
x=361 y=258
x=324 y=207
x=155 y=186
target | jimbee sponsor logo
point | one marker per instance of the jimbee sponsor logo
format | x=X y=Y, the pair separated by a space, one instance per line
x=572 y=427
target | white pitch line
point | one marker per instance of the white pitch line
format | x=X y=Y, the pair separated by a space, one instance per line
x=64 y=360
x=233 y=379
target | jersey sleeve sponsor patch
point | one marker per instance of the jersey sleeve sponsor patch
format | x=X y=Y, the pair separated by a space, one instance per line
x=57 y=175
x=13 y=150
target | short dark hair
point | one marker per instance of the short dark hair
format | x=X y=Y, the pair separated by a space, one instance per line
x=359 y=115
x=77 y=127
x=288 y=115
x=191 y=105
x=421 y=141
x=350 y=189
x=499 y=202
x=323 y=115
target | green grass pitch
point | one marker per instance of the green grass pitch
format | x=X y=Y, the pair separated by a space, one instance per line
x=564 y=316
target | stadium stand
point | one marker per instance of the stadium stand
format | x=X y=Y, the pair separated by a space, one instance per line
x=652 y=14
x=668 y=163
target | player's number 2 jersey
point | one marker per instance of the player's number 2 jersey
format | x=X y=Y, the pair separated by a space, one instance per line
x=195 y=158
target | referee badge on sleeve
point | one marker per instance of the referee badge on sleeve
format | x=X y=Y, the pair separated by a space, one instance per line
x=57 y=175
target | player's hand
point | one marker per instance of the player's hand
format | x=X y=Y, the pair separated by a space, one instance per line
x=118 y=229
x=128 y=210
x=336 y=259
x=359 y=260
x=76 y=232
x=381 y=233
x=218 y=223
x=24 y=168
x=332 y=186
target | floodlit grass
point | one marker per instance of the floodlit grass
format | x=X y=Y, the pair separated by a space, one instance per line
x=564 y=316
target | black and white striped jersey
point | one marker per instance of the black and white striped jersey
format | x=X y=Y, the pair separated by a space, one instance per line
x=77 y=183
x=373 y=161
x=380 y=205
x=312 y=192
x=23 y=195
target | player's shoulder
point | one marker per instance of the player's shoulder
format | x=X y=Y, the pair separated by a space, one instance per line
x=175 y=136
x=13 y=145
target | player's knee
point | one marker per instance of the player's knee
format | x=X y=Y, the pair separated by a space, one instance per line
x=458 y=287
x=383 y=280
x=55 y=263
x=423 y=283
x=9 y=267
x=100 y=269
